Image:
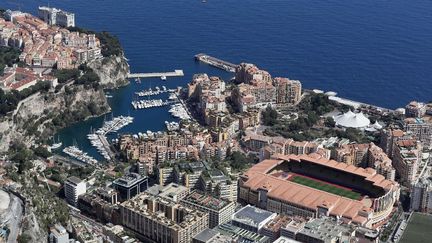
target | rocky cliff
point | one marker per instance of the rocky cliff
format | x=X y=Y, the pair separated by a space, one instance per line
x=112 y=71
x=41 y=114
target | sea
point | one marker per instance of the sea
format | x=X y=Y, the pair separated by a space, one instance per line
x=374 y=51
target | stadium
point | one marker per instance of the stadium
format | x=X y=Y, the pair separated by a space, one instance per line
x=312 y=186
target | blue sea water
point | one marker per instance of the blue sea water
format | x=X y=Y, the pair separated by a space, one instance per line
x=374 y=51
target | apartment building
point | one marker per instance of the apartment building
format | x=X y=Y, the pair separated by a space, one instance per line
x=421 y=195
x=219 y=210
x=73 y=188
x=406 y=159
x=162 y=220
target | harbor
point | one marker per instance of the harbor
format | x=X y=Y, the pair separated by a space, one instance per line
x=76 y=153
x=152 y=92
x=146 y=104
x=216 y=62
x=162 y=75
x=99 y=140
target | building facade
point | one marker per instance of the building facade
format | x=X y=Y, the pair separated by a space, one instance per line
x=53 y=16
x=162 y=220
x=74 y=187
x=219 y=210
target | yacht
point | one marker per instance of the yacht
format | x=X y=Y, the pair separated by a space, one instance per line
x=56 y=145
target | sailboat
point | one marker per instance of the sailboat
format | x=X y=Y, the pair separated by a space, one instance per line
x=56 y=145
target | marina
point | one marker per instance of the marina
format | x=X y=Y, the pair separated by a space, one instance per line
x=162 y=75
x=216 y=62
x=146 y=104
x=98 y=138
x=172 y=126
x=152 y=92
x=178 y=111
x=78 y=154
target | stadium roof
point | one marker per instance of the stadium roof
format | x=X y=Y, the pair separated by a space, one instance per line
x=257 y=178
x=351 y=119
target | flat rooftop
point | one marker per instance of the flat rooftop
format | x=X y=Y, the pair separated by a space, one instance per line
x=129 y=180
x=74 y=180
x=252 y=215
x=206 y=201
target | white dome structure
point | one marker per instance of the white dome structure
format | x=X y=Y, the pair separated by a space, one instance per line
x=351 y=119
x=377 y=126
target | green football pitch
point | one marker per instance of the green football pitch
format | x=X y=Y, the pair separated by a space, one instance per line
x=418 y=229
x=326 y=187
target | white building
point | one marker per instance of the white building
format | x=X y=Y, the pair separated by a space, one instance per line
x=58 y=234
x=252 y=218
x=73 y=188
x=351 y=119
x=53 y=16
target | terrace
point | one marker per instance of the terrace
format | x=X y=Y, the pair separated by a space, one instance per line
x=206 y=201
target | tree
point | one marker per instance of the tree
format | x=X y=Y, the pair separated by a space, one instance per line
x=329 y=122
x=42 y=152
x=269 y=116
x=24 y=238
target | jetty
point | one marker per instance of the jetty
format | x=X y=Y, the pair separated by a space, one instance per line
x=176 y=73
x=216 y=62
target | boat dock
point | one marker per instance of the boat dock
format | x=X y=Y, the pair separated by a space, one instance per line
x=216 y=62
x=176 y=73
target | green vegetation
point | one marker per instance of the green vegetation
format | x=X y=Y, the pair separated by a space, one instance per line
x=42 y=152
x=8 y=56
x=326 y=187
x=10 y=100
x=110 y=44
x=309 y=125
x=65 y=75
x=81 y=172
x=418 y=229
x=320 y=104
x=24 y=238
x=88 y=77
x=49 y=208
x=239 y=161
x=269 y=116
x=20 y=155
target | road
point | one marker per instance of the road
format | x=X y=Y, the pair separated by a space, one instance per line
x=14 y=218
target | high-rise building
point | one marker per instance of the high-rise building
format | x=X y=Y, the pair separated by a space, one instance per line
x=415 y=109
x=218 y=184
x=172 y=191
x=53 y=16
x=58 y=234
x=220 y=211
x=406 y=159
x=73 y=188
x=420 y=129
x=287 y=91
x=162 y=220
x=421 y=195
x=130 y=185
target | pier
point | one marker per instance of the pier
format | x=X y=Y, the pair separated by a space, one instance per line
x=176 y=73
x=216 y=62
